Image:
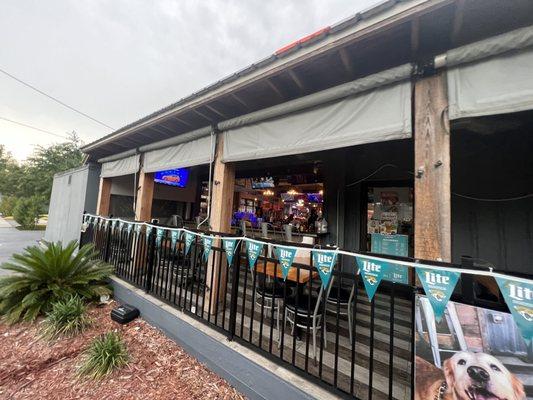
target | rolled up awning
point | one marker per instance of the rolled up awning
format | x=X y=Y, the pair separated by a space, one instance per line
x=493 y=76
x=129 y=164
x=374 y=113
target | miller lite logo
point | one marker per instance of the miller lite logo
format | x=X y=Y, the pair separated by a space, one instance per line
x=434 y=278
x=520 y=293
x=371 y=267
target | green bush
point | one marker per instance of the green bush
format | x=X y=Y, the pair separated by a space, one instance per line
x=66 y=318
x=7 y=205
x=105 y=354
x=43 y=276
x=27 y=211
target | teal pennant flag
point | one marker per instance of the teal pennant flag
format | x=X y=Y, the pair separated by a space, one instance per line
x=148 y=232
x=189 y=238
x=159 y=233
x=254 y=251
x=324 y=262
x=129 y=227
x=518 y=296
x=286 y=257
x=208 y=244
x=174 y=236
x=113 y=223
x=138 y=228
x=439 y=286
x=229 y=247
x=372 y=272
x=120 y=226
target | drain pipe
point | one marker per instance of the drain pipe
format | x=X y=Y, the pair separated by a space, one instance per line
x=212 y=158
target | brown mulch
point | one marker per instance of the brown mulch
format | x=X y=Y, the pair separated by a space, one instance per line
x=31 y=368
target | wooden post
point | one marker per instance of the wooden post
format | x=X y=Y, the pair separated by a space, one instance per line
x=432 y=169
x=145 y=195
x=220 y=221
x=104 y=197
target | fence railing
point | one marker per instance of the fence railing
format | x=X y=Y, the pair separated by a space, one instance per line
x=334 y=335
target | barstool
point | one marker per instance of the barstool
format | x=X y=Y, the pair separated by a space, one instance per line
x=344 y=298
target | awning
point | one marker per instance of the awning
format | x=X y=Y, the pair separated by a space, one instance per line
x=379 y=114
x=187 y=154
x=122 y=166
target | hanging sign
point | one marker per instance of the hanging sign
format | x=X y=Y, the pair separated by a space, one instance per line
x=372 y=272
x=159 y=233
x=148 y=232
x=518 y=296
x=208 y=244
x=254 y=251
x=129 y=227
x=189 y=238
x=174 y=236
x=324 y=262
x=120 y=225
x=113 y=222
x=229 y=247
x=138 y=228
x=439 y=286
x=286 y=257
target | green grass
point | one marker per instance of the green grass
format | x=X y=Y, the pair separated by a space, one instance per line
x=104 y=355
x=67 y=318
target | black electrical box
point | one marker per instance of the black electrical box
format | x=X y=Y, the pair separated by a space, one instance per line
x=124 y=314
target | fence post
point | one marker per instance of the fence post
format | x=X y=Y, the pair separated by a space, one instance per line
x=151 y=258
x=108 y=241
x=82 y=233
x=234 y=291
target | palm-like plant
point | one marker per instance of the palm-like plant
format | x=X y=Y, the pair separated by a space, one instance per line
x=43 y=276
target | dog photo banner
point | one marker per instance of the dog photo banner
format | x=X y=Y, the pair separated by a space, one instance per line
x=286 y=257
x=208 y=245
x=518 y=296
x=372 y=272
x=324 y=262
x=439 y=286
x=229 y=246
x=254 y=251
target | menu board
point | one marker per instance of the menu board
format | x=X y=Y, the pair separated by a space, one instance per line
x=394 y=245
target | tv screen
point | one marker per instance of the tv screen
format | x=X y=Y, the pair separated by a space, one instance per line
x=265 y=182
x=173 y=177
x=314 y=197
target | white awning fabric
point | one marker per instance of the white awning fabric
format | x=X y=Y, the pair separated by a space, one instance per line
x=495 y=85
x=188 y=154
x=376 y=115
x=123 y=166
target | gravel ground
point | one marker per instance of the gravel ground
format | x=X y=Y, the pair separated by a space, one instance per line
x=31 y=368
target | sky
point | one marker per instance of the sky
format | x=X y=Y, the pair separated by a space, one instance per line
x=119 y=60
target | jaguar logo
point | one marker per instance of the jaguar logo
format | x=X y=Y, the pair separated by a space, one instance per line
x=438 y=295
x=525 y=312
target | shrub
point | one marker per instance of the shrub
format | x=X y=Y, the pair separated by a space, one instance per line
x=27 y=211
x=105 y=354
x=43 y=276
x=7 y=205
x=66 y=318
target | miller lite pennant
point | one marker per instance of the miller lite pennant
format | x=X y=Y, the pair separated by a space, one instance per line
x=159 y=233
x=286 y=257
x=229 y=247
x=372 y=272
x=189 y=238
x=324 y=261
x=208 y=244
x=254 y=251
x=518 y=296
x=439 y=286
x=138 y=228
x=174 y=236
x=120 y=225
x=129 y=227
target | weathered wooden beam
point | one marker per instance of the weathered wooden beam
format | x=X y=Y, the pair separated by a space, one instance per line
x=275 y=88
x=240 y=101
x=294 y=76
x=216 y=111
x=201 y=114
x=432 y=169
x=346 y=61
x=181 y=121
x=104 y=197
x=145 y=195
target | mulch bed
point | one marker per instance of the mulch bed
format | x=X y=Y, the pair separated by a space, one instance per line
x=31 y=368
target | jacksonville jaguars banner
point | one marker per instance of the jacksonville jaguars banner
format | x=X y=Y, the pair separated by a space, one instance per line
x=324 y=261
x=254 y=251
x=439 y=286
x=129 y=227
x=372 y=272
x=159 y=236
x=189 y=238
x=208 y=244
x=229 y=247
x=519 y=298
x=138 y=228
x=286 y=257
x=120 y=225
x=174 y=236
x=113 y=223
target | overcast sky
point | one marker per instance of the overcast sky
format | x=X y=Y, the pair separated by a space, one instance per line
x=119 y=60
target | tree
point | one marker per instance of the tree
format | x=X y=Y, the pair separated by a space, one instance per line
x=27 y=211
x=10 y=173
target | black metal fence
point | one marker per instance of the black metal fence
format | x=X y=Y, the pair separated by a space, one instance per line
x=336 y=336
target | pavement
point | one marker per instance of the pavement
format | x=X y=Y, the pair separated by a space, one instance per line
x=14 y=241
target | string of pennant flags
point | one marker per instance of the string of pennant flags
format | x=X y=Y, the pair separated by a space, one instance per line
x=438 y=282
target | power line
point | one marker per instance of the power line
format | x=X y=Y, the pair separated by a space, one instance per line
x=35 y=128
x=54 y=99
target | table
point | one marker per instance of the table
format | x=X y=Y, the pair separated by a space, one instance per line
x=303 y=277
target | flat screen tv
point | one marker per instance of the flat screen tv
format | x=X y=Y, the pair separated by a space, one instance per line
x=265 y=182
x=173 y=177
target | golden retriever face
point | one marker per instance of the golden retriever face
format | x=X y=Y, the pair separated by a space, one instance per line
x=480 y=376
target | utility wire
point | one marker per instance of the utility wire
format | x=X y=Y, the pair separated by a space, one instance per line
x=35 y=128
x=54 y=99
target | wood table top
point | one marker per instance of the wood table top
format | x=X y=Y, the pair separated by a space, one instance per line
x=302 y=277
